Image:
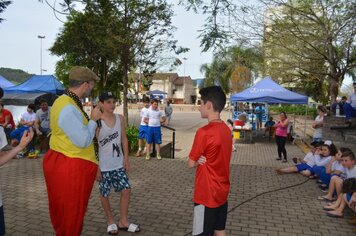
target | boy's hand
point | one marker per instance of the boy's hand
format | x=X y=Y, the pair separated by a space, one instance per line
x=96 y=113
x=26 y=138
x=201 y=160
x=98 y=175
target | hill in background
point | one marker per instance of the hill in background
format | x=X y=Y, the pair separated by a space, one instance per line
x=16 y=76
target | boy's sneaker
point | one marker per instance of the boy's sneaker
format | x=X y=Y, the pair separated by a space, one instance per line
x=138 y=153
x=147 y=156
x=319 y=181
x=159 y=157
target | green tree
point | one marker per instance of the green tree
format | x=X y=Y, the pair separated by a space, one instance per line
x=233 y=68
x=3 y=5
x=313 y=40
x=117 y=37
x=216 y=31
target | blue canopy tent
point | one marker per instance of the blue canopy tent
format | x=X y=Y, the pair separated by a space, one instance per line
x=38 y=84
x=34 y=89
x=268 y=91
x=4 y=83
x=156 y=94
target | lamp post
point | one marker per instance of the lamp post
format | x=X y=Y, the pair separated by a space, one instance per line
x=41 y=37
x=185 y=59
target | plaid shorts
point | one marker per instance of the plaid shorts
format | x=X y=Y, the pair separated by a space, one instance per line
x=115 y=178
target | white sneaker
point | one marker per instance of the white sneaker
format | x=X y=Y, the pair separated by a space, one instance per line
x=159 y=157
x=147 y=156
x=138 y=153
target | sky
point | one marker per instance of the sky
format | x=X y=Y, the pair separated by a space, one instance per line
x=20 y=47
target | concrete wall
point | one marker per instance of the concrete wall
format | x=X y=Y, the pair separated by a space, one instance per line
x=343 y=137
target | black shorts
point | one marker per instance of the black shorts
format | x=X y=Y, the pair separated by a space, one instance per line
x=207 y=220
x=2 y=221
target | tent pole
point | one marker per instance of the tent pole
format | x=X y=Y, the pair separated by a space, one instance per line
x=305 y=121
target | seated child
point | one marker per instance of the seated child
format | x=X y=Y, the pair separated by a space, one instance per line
x=27 y=121
x=323 y=158
x=335 y=167
x=336 y=209
x=348 y=160
x=306 y=164
x=269 y=125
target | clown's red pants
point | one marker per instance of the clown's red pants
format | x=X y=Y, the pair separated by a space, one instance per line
x=69 y=183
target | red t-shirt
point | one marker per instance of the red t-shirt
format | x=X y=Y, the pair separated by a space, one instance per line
x=212 y=182
x=4 y=114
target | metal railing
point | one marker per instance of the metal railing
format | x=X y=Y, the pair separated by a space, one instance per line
x=172 y=149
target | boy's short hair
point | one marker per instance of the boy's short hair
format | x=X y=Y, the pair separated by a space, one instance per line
x=154 y=101
x=106 y=96
x=316 y=143
x=349 y=154
x=349 y=185
x=215 y=95
x=32 y=106
x=146 y=100
x=344 y=149
x=42 y=100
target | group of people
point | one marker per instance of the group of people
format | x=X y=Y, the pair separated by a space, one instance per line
x=335 y=169
x=150 y=127
x=39 y=121
x=83 y=150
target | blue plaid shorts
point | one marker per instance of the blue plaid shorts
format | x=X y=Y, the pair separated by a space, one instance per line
x=115 y=178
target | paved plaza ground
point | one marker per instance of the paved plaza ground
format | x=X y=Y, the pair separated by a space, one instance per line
x=260 y=202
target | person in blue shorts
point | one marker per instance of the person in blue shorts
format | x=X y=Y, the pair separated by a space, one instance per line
x=142 y=132
x=337 y=208
x=27 y=121
x=306 y=164
x=154 y=118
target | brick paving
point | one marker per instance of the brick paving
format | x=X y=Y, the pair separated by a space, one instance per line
x=260 y=203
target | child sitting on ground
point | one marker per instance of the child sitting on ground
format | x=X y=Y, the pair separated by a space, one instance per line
x=348 y=160
x=335 y=167
x=306 y=164
x=322 y=158
x=337 y=208
x=269 y=125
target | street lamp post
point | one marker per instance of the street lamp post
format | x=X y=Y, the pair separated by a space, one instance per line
x=185 y=59
x=41 y=37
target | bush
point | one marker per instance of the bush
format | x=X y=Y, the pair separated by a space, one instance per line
x=294 y=109
x=132 y=136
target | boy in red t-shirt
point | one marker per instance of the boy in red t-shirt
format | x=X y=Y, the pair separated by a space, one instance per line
x=211 y=153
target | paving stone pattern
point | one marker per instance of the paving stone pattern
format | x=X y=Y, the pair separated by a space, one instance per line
x=260 y=203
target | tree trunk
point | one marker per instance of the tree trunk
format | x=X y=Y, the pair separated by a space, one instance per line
x=126 y=85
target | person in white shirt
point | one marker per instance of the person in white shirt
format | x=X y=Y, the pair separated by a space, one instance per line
x=154 y=118
x=142 y=132
x=318 y=124
x=337 y=208
x=306 y=164
x=349 y=161
x=27 y=121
